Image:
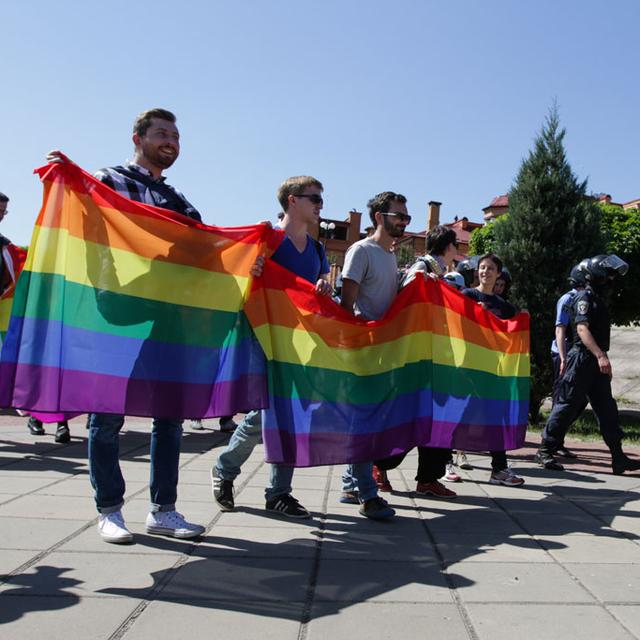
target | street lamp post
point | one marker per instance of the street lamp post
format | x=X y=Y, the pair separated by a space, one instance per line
x=328 y=229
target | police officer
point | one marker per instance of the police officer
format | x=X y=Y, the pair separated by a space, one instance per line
x=588 y=371
x=468 y=268
x=578 y=282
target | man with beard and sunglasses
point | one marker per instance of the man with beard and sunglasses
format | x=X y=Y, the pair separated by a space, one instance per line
x=369 y=287
x=157 y=145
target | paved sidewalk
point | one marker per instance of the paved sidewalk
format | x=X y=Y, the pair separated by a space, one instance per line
x=557 y=558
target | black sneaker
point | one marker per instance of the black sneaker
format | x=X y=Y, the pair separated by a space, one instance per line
x=222 y=492
x=288 y=506
x=620 y=464
x=35 y=427
x=377 y=509
x=547 y=461
x=62 y=433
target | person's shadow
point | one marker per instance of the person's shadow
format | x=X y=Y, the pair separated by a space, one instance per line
x=32 y=587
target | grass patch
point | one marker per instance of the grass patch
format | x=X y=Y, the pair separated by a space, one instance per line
x=586 y=426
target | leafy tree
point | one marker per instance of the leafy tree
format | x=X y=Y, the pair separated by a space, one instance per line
x=483 y=239
x=405 y=255
x=550 y=227
x=622 y=232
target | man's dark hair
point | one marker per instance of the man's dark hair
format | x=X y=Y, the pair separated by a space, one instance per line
x=439 y=238
x=143 y=121
x=382 y=202
x=3 y=198
x=494 y=258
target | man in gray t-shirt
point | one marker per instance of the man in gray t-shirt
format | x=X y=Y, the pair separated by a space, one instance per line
x=374 y=268
x=369 y=286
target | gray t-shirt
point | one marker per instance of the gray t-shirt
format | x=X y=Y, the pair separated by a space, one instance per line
x=376 y=271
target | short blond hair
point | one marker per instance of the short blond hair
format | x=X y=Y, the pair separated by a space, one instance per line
x=295 y=186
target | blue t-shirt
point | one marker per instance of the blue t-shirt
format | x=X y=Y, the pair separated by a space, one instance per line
x=307 y=264
x=562 y=314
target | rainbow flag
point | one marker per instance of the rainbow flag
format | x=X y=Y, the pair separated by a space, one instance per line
x=129 y=309
x=436 y=370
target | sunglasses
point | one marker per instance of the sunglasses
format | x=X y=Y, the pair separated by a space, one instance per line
x=314 y=198
x=403 y=217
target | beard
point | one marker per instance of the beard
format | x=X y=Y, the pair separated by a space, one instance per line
x=391 y=229
x=157 y=158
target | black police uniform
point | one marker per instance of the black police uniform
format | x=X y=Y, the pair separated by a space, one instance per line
x=583 y=379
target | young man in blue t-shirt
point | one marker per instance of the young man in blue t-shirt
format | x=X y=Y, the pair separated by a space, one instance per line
x=301 y=200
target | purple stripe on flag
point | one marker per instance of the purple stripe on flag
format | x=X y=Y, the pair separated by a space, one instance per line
x=308 y=450
x=48 y=389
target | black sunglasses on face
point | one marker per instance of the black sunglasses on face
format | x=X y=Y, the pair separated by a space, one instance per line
x=403 y=217
x=314 y=198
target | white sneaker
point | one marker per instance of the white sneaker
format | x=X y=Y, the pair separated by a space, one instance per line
x=172 y=523
x=451 y=475
x=197 y=425
x=112 y=528
x=462 y=462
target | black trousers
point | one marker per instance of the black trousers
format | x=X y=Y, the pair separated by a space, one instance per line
x=583 y=382
x=432 y=463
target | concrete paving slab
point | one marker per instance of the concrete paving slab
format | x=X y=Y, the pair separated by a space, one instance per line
x=11 y=559
x=591 y=549
x=374 y=544
x=626 y=523
x=295 y=542
x=34 y=533
x=608 y=582
x=500 y=622
x=560 y=524
x=25 y=616
x=92 y=574
x=59 y=507
x=206 y=619
x=517 y=582
x=381 y=581
x=143 y=543
x=386 y=620
x=18 y=484
x=456 y=547
x=470 y=520
x=241 y=579
x=247 y=516
x=629 y=616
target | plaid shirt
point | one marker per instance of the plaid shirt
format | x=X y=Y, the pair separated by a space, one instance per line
x=139 y=191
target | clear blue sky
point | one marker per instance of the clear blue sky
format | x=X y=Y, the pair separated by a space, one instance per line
x=439 y=100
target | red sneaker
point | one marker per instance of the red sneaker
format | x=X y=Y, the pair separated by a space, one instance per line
x=381 y=479
x=436 y=489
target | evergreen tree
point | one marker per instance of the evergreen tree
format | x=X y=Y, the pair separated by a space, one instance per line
x=551 y=226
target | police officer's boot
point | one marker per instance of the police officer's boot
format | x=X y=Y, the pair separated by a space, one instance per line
x=621 y=463
x=544 y=457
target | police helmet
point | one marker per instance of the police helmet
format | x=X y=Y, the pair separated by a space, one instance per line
x=455 y=279
x=466 y=268
x=577 y=275
x=601 y=268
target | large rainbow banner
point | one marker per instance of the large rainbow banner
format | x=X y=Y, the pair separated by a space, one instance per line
x=130 y=309
x=436 y=370
x=125 y=308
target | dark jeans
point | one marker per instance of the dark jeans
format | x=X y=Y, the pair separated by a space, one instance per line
x=104 y=465
x=583 y=382
x=432 y=463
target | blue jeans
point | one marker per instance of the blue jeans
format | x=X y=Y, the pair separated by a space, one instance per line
x=359 y=477
x=104 y=465
x=244 y=439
